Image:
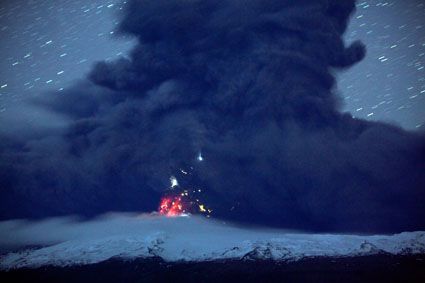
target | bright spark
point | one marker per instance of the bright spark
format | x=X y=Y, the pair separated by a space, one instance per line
x=200 y=158
x=202 y=208
x=174 y=182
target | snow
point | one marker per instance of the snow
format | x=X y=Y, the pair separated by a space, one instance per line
x=65 y=241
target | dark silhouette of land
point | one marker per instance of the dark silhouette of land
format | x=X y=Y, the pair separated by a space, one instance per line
x=377 y=268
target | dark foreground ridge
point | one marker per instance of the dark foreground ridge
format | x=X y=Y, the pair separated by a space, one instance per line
x=377 y=268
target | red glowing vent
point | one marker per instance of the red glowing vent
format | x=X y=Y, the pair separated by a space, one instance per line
x=171 y=206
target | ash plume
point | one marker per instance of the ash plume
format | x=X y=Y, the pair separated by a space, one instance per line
x=247 y=84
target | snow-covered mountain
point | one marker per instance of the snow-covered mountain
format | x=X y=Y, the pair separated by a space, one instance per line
x=64 y=241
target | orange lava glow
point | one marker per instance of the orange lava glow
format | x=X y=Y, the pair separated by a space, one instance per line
x=171 y=206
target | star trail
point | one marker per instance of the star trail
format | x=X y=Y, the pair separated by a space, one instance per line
x=48 y=44
x=389 y=84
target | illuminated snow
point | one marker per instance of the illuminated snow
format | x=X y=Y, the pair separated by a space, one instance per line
x=67 y=242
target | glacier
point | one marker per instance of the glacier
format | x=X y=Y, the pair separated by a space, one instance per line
x=68 y=241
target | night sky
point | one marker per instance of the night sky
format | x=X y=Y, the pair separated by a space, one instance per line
x=390 y=83
x=47 y=44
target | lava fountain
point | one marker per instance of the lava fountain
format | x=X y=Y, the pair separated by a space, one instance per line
x=171 y=206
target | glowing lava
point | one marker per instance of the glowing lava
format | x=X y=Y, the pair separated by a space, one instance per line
x=171 y=206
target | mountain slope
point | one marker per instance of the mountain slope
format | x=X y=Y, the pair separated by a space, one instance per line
x=63 y=242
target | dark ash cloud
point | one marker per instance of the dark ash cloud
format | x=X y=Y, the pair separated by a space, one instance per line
x=250 y=85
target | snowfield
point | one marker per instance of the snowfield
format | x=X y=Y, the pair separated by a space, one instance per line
x=65 y=241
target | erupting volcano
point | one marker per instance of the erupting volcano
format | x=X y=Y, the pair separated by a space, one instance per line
x=171 y=206
x=183 y=204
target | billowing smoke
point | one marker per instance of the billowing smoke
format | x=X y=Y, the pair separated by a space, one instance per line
x=233 y=97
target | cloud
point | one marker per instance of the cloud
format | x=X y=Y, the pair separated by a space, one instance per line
x=249 y=84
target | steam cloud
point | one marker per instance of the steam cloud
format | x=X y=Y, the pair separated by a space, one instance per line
x=249 y=85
